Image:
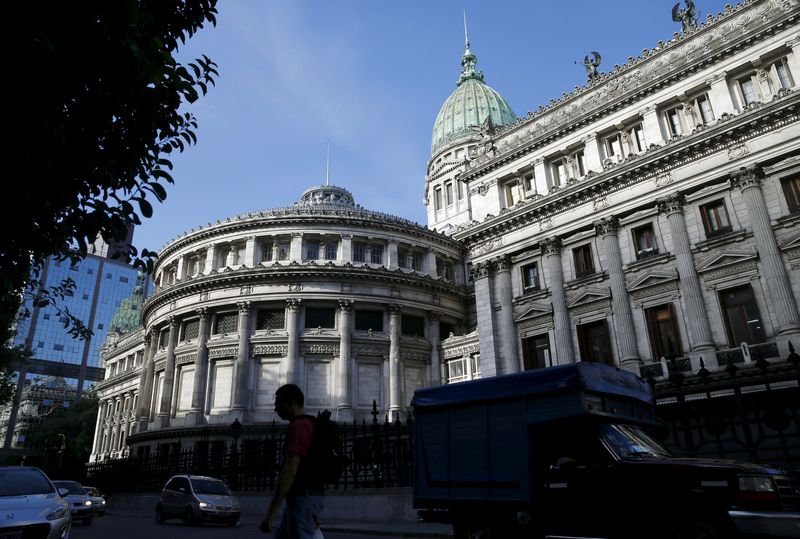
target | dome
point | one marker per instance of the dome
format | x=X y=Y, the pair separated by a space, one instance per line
x=468 y=107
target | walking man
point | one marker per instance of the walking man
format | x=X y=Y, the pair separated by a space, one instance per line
x=296 y=482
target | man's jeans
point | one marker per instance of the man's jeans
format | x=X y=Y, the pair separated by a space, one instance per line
x=300 y=517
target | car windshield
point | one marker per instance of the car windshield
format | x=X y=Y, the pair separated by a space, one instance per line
x=209 y=486
x=21 y=482
x=629 y=442
x=71 y=486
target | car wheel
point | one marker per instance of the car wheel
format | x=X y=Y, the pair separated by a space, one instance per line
x=188 y=516
x=87 y=521
x=159 y=515
x=698 y=530
x=232 y=523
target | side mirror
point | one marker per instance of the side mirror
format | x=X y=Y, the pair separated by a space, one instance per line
x=63 y=492
x=566 y=464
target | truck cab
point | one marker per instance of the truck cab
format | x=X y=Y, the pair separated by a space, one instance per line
x=569 y=451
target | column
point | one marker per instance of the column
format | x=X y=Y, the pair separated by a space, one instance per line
x=180 y=273
x=511 y=361
x=794 y=58
x=392 y=262
x=748 y=181
x=249 y=252
x=209 y=265
x=296 y=247
x=430 y=263
x=720 y=95
x=395 y=369
x=98 y=432
x=196 y=413
x=292 y=359
x=435 y=375
x=484 y=303
x=701 y=340
x=345 y=396
x=146 y=380
x=652 y=129
x=346 y=254
x=564 y=350
x=165 y=410
x=240 y=392
x=623 y=315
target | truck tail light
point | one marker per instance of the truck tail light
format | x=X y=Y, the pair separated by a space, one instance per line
x=757 y=488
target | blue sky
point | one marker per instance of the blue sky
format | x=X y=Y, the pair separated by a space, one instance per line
x=369 y=76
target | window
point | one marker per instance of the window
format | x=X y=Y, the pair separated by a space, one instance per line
x=191 y=330
x=612 y=146
x=412 y=325
x=283 y=251
x=86 y=296
x=123 y=279
x=90 y=271
x=330 y=250
x=748 y=88
x=784 y=74
x=448 y=188
x=703 y=110
x=579 y=164
x=583 y=260
x=100 y=326
x=226 y=323
x=459 y=189
x=644 y=241
x=715 y=218
x=559 y=172
x=312 y=250
x=791 y=190
x=437 y=199
x=320 y=317
x=742 y=319
x=662 y=328
x=40 y=344
x=595 y=345
x=46 y=316
x=536 y=352
x=530 y=276
x=359 y=252
x=58 y=347
x=266 y=254
x=511 y=193
x=637 y=139
x=376 y=254
x=410 y=260
x=529 y=182
x=674 y=125
x=369 y=320
x=271 y=319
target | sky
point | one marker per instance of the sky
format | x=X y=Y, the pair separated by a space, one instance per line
x=369 y=77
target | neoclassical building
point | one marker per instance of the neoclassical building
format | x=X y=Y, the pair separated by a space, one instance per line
x=652 y=213
x=345 y=302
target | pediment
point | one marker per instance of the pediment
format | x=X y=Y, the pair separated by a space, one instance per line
x=791 y=243
x=589 y=295
x=651 y=279
x=726 y=259
x=534 y=310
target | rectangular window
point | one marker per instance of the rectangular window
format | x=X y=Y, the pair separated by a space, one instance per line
x=312 y=250
x=674 y=125
x=715 y=218
x=530 y=276
x=266 y=254
x=645 y=241
x=58 y=347
x=46 y=316
x=330 y=250
x=100 y=326
x=742 y=318
x=613 y=146
x=704 y=111
x=529 y=182
x=86 y=296
x=271 y=319
x=637 y=138
x=583 y=260
x=580 y=163
x=791 y=190
x=226 y=323
x=90 y=271
x=320 y=317
x=412 y=325
x=359 y=252
x=536 y=352
x=595 y=344
x=784 y=75
x=283 y=251
x=459 y=189
x=123 y=279
x=662 y=327
x=560 y=174
x=512 y=197
x=437 y=199
x=40 y=344
x=191 y=330
x=448 y=188
x=748 y=88
x=369 y=320
x=376 y=254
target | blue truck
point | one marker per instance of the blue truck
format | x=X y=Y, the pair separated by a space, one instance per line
x=568 y=452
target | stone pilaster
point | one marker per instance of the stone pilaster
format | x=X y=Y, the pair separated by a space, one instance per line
x=700 y=337
x=344 y=392
x=296 y=247
x=98 y=430
x=165 y=410
x=249 y=253
x=292 y=359
x=240 y=389
x=487 y=328
x=748 y=181
x=720 y=95
x=197 y=412
x=623 y=315
x=147 y=380
x=210 y=252
x=395 y=368
x=430 y=263
x=564 y=351
x=511 y=362
x=346 y=254
x=652 y=129
x=435 y=375
x=393 y=261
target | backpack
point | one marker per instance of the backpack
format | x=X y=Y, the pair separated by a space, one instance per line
x=327 y=455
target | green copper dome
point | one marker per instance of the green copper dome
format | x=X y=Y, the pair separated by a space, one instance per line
x=129 y=315
x=468 y=107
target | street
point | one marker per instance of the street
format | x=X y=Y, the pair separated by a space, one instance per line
x=130 y=526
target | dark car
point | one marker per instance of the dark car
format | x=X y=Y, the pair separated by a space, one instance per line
x=197 y=499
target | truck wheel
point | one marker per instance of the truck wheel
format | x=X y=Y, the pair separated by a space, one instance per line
x=698 y=530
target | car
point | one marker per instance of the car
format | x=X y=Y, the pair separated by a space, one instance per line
x=197 y=499
x=80 y=504
x=31 y=505
x=98 y=500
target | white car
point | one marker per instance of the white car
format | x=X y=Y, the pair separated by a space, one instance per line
x=197 y=499
x=31 y=505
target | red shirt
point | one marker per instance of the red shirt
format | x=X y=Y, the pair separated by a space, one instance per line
x=298 y=436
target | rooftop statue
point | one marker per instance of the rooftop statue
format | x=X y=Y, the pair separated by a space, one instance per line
x=687 y=17
x=591 y=63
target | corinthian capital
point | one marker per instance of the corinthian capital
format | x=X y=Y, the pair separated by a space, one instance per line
x=551 y=246
x=244 y=307
x=671 y=204
x=202 y=312
x=293 y=304
x=747 y=177
x=607 y=226
x=502 y=263
x=345 y=305
x=479 y=271
x=394 y=309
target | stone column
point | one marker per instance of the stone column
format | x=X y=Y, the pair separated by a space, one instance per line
x=345 y=403
x=430 y=263
x=487 y=328
x=346 y=254
x=623 y=315
x=564 y=350
x=146 y=380
x=292 y=359
x=249 y=253
x=296 y=247
x=540 y=176
x=748 y=181
x=209 y=265
x=240 y=392
x=180 y=273
x=435 y=375
x=165 y=411
x=196 y=413
x=701 y=339
x=395 y=369
x=511 y=361
x=98 y=431
x=392 y=262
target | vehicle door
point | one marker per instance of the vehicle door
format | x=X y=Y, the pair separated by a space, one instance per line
x=169 y=497
x=184 y=494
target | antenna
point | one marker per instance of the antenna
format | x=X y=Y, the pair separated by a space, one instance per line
x=328 y=165
x=466 y=35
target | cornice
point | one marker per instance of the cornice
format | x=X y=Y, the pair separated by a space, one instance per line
x=638 y=78
x=732 y=130
x=114 y=381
